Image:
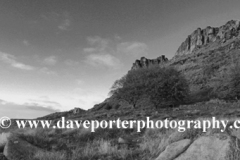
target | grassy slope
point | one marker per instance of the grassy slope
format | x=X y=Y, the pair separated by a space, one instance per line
x=81 y=144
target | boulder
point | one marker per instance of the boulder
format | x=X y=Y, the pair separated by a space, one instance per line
x=207 y=148
x=3 y=140
x=174 y=149
x=235 y=133
x=177 y=136
x=18 y=149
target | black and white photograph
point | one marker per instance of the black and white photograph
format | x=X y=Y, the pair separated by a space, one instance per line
x=119 y=80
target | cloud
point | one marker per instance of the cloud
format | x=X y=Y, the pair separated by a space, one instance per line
x=50 y=16
x=65 y=25
x=27 y=110
x=26 y=43
x=40 y=108
x=11 y=60
x=47 y=71
x=98 y=43
x=105 y=52
x=46 y=98
x=43 y=103
x=101 y=53
x=70 y=62
x=89 y=50
x=52 y=60
x=61 y=21
x=133 y=48
x=87 y=98
x=3 y=102
x=66 y=22
x=103 y=59
x=79 y=81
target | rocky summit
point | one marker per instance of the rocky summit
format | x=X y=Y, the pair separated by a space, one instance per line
x=202 y=37
x=201 y=41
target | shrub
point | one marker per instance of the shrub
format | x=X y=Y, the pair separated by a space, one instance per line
x=166 y=87
x=130 y=87
x=163 y=86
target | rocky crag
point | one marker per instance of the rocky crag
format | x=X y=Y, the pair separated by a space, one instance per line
x=145 y=63
x=201 y=40
x=202 y=37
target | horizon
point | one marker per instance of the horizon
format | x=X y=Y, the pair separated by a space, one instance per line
x=57 y=55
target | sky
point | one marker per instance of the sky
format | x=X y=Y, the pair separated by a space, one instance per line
x=60 y=54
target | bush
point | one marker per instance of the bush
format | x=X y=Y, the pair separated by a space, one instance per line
x=163 y=86
x=166 y=87
x=130 y=87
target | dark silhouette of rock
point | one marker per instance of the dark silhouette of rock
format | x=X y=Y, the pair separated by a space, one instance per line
x=145 y=63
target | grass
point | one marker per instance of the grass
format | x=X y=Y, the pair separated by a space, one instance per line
x=44 y=155
x=98 y=149
x=82 y=144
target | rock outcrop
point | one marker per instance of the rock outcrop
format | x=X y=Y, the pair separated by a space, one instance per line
x=3 y=140
x=214 y=146
x=18 y=149
x=77 y=110
x=145 y=63
x=202 y=37
x=208 y=148
x=174 y=149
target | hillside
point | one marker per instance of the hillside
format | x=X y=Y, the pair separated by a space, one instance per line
x=206 y=58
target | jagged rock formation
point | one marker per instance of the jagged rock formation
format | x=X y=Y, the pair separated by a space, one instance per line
x=202 y=37
x=145 y=63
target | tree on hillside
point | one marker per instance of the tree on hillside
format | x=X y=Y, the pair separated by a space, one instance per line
x=117 y=85
x=163 y=86
x=130 y=87
x=166 y=87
